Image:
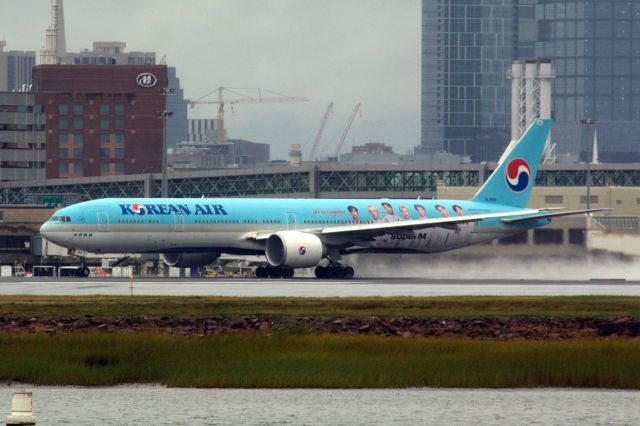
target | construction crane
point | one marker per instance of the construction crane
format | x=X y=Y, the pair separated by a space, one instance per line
x=346 y=129
x=241 y=98
x=320 y=130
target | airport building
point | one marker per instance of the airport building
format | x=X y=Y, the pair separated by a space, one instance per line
x=19 y=226
x=104 y=120
x=15 y=69
x=467 y=48
x=613 y=186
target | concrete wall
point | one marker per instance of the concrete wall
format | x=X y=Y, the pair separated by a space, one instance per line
x=628 y=245
x=25 y=214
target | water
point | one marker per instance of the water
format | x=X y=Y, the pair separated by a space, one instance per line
x=156 y=405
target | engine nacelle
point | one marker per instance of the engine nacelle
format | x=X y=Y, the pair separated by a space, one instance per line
x=188 y=260
x=294 y=249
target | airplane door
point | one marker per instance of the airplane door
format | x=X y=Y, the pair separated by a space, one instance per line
x=178 y=222
x=291 y=220
x=103 y=221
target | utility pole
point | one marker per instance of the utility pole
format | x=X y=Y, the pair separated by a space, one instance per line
x=164 y=115
x=587 y=122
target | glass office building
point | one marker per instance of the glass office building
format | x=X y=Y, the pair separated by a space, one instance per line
x=468 y=45
x=15 y=69
x=595 y=49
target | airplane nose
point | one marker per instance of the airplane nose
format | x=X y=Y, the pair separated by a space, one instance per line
x=44 y=229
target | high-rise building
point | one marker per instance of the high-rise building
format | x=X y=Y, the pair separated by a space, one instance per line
x=22 y=137
x=177 y=122
x=15 y=69
x=55 y=42
x=467 y=48
x=203 y=130
x=595 y=49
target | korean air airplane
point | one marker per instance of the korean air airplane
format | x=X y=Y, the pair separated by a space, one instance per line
x=303 y=233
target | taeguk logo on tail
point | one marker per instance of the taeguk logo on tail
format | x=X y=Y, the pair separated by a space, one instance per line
x=518 y=175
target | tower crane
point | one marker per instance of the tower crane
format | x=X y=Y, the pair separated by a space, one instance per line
x=241 y=98
x=320 y=130
x=346 y=129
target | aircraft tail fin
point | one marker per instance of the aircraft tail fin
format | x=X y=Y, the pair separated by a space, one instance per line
x=512 y=181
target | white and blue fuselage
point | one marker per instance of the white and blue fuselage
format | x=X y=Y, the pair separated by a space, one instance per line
x=123 y=225
x=294 y=233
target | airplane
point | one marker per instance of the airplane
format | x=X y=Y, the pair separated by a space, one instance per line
x=306 y=233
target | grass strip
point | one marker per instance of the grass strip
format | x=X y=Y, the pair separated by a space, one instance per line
x=324 y=361
x=466 y=306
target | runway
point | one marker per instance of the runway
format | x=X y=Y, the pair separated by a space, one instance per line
x=314 y=288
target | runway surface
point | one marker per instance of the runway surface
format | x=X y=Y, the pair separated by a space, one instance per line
x=315 y=288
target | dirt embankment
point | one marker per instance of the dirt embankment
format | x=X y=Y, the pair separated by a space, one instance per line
x=476 y=328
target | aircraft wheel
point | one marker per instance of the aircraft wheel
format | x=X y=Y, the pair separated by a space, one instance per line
x=288 y=272
x=275 y=273
x=348 y=272
x=321 y=272
x=333 y=272
x=261 y=272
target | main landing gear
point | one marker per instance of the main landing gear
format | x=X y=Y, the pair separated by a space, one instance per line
x=334 y=272
x=274 y=272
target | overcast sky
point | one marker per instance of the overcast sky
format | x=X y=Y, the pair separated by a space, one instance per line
x=345 y=51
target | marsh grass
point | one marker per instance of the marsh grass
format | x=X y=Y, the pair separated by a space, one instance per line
x=471 y=306
x=314 y=361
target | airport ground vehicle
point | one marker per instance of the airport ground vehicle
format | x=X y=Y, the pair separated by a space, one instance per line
x=60 y=271
x=12 y=271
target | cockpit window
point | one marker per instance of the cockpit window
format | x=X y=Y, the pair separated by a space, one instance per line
x=60 y=219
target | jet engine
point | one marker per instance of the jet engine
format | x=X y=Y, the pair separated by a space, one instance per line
x=188 y=260
x=294 y=249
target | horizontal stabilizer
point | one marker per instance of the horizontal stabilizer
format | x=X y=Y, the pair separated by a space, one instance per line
x=545 y=214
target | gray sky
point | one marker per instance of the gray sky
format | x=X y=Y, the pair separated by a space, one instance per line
x=345 y=51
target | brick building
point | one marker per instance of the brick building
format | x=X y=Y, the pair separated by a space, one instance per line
x=102 y=120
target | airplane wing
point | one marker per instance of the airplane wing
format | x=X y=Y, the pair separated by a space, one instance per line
x=369 y=230
x=549 y=214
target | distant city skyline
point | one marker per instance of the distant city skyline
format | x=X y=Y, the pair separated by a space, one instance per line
x=593 y=48
x=341 y=51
